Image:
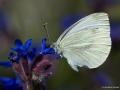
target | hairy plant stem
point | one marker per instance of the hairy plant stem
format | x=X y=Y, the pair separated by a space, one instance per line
x=27 y=82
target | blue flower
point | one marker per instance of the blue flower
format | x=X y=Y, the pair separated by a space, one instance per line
x=6 y=64
x=21 y=48
x=10 y=83
x=102 y=79
x=13 y=57
x=24 y=50
x=31 y=54
x=46 y=49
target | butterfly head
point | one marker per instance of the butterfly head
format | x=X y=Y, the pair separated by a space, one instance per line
x=57 y=49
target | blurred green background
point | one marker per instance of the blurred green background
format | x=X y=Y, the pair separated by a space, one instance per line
x=24 y=18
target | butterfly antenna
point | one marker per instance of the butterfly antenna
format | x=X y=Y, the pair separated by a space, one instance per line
x=46 y=32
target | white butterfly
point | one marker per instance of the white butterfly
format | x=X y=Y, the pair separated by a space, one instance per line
x=87 y=42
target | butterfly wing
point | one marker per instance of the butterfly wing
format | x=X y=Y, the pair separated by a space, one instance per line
x=87 y=42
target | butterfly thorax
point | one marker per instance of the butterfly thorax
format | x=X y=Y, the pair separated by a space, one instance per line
x=57 y=49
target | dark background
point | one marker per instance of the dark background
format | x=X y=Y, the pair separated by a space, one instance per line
x=24 y=18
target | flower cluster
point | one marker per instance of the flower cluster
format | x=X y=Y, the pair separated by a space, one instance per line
x=22 y=51
x=31 y=64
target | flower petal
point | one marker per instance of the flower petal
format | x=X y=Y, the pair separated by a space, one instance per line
x=48 y=51
x=18 y=43
x=18 y=50
x=5 y=64
x=44 y=44
x=11 y=83
x=32 y=54
x=27 y=44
